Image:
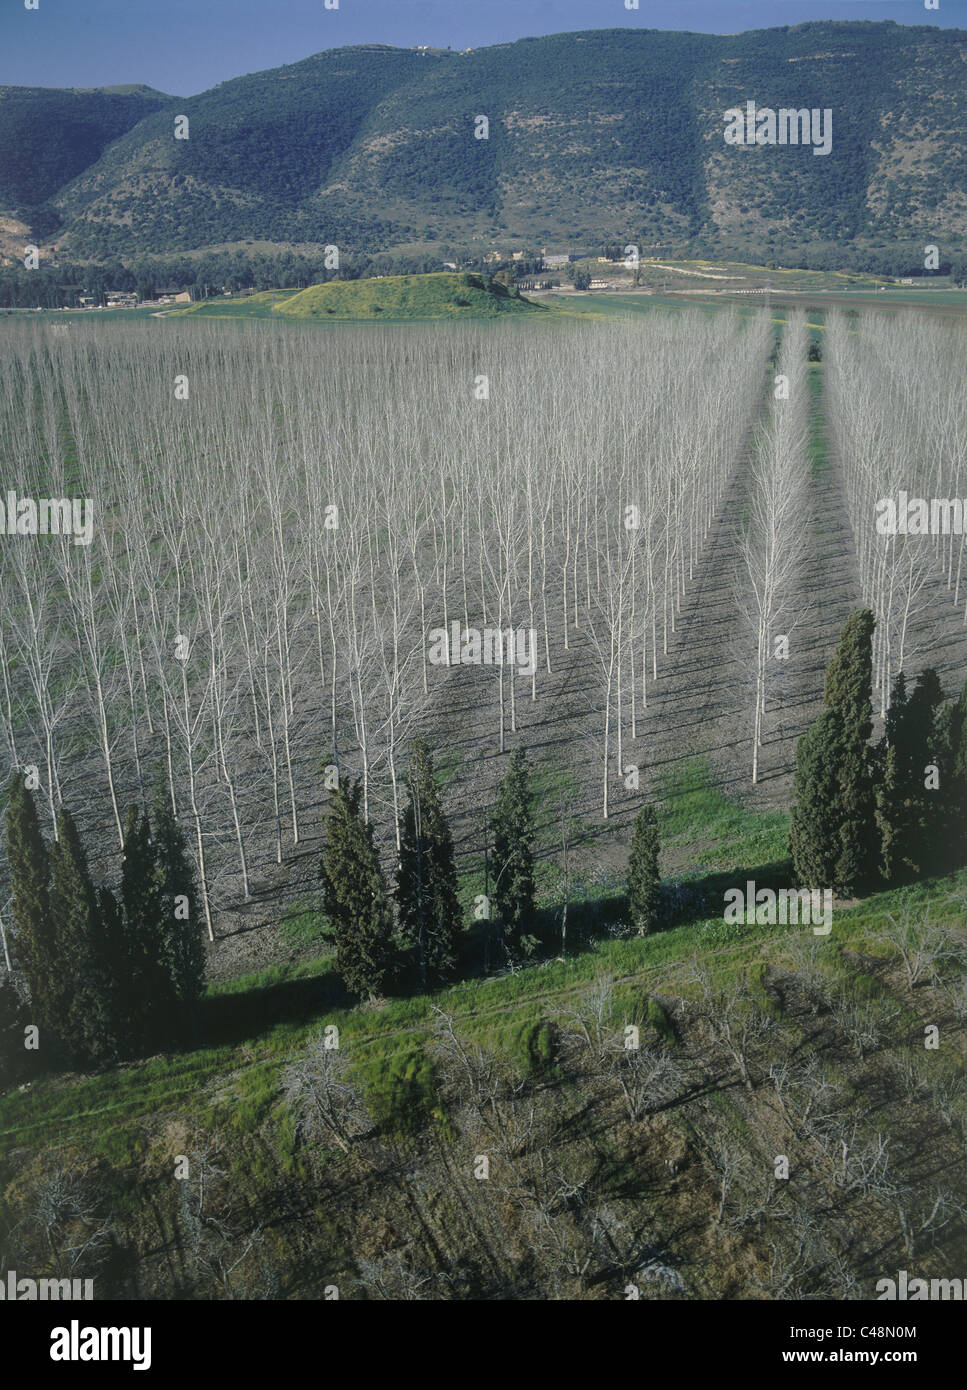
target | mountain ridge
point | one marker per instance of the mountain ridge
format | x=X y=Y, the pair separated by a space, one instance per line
x=597 y=135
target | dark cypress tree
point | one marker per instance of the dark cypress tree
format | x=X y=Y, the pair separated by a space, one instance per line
x=513 y=856
x=426 y=881
x=909 y=813
x=926 y=706
x=33 y=943
x=892 y=783
x=849 y=696
x=833 y=837
x=83 y=1021
x=180 y=922
x=115 y=967
x=355 y=896
x=814 y=824
x=958 y=736
x=143 y=992
x=14 y=1057
x=138 y=879
x=952 y=738
x=644 y=882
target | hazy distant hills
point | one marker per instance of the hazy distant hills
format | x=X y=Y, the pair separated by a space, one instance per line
x=613 y=134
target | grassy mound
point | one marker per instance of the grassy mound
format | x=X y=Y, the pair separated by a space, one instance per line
x=438 y=296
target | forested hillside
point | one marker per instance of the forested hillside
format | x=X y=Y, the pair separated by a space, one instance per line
x=50 y=136
x=592 y=135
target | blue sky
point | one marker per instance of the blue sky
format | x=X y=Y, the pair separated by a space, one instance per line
x=184 y=46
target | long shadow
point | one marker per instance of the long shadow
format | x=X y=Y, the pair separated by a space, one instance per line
x=688 y=898
x=236 y=1018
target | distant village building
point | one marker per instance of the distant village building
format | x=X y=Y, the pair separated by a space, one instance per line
x=173 y=294
x=555 y=262
x=599 y=284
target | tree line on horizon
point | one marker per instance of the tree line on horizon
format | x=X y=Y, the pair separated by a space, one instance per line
x=59 y=284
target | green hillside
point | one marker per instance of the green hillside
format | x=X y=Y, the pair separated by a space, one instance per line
x=593 y=135
x=260 y=148
x=51 y=136
x=406 y=297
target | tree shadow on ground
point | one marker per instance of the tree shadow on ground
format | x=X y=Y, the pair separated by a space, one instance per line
x=690 y=897
x=236 y=1018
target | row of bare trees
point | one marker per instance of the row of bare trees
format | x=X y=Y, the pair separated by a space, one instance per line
x=895 y=389
x=769 y=549
x=683 y=435
x=280 y=520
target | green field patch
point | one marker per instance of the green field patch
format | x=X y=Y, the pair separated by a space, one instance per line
x=696 y=811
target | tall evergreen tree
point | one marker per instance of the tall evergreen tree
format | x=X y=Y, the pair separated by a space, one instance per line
x=180 y=920
x=83 y=1021
x=138 y=877
x=952 y=737
x=849 y=695
x=34 y=942
x=14 y=1057
x=513 y=856
x=143 y=990
x=891 y=784
x=833 y=837
x=909 y=814
x=644 y=881
x=114 y=965
x=426 y=881
x=814 y=822
x=958 y=735
x=355 y=896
